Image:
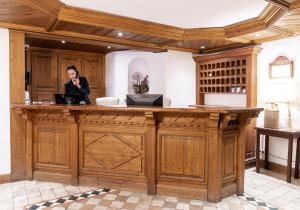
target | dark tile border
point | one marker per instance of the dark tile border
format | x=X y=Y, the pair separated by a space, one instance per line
x=256 y=202
x=67 y=199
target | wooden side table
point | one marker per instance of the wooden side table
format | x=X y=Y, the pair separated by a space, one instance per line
x=281 y=133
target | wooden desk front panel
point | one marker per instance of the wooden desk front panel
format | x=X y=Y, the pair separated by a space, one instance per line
x=54 y=140
x=182 y=156
x=229 y=156
x=112 y=147
x=52 y=147
x=112 y=150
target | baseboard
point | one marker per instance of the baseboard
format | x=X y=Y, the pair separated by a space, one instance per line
x=275 y=167
x=250 y=162
x=4 y=178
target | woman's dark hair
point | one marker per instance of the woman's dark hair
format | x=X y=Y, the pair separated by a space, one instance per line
x=72 y=67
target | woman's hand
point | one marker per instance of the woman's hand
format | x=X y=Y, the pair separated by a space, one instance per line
x=76 y=82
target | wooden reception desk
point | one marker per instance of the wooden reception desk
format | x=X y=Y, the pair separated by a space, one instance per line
x=185 y=152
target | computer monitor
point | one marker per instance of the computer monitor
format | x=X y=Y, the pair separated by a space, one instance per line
x=144 y=100
x=68 y=99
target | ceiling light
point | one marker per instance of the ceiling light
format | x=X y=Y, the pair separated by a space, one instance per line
x=202 y=47
x=63 y=41
x=108 y=47
x=257 y=35
x=120 y=34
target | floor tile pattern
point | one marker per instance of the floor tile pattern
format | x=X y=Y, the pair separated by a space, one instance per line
x=272 y=190
x=261 y=192
x=139 y=201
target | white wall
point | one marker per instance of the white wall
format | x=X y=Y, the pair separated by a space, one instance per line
x=180 y=74
x=117 y=72
x=220 y=99
x=4 y=103
x=171 y=73
x=280 y=90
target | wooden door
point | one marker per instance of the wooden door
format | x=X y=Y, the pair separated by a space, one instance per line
x=65 y=60
x=44 y=76
x=93 y=70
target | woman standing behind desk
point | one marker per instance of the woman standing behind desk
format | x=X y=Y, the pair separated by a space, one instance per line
x=77 y=85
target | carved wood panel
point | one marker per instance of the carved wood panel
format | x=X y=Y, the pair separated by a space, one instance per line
x=182 y=155
x=229 y=155
x=51 y=146
x=114 y=151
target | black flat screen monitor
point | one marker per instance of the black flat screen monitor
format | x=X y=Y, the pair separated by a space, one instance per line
x=68 y=99
x=144 y=100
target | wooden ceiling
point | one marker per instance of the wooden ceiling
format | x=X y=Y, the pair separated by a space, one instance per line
x=51 y=19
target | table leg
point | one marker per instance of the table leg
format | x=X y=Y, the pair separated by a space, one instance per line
x=297 y=159
x=289 y=166
x=267 y=152
x=257 y=151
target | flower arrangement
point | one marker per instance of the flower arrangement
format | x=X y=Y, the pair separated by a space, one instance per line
x=140 y=83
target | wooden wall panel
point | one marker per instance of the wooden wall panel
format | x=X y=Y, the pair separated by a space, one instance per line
x=93 y=70
x=44 y=76
x=65 y=60
x=49 y=72
x=17 y=88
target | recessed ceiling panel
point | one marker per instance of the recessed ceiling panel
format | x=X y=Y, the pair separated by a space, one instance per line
x=184 y=14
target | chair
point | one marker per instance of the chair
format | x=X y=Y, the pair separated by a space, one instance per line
x=107 y=101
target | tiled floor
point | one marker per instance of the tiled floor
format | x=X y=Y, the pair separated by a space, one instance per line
x=262 y=192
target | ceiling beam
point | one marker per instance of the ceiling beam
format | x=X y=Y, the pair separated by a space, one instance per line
x=118 y=42
x=51 y=8
x=45 y=6
x=204 y=33
x=280 y=3
x=105 y=20
x=21 y=27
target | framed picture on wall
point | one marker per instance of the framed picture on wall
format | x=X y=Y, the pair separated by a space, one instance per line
x=281 y=67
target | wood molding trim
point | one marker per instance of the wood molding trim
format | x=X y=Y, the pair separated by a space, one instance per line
x=227 y=54
x=4 y=178
x=271 y=14
x=280 y=3
x=268 y=17
x=20 y=27
x=48 y=7
x=228 y=47
x=295 y=5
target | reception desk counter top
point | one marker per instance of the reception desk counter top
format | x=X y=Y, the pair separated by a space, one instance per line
x=194 y=152
x=190 y=109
